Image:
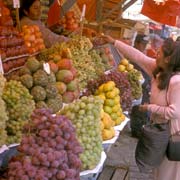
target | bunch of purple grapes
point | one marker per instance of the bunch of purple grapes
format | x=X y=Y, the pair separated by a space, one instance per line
x=50 y=151
x=121 y=81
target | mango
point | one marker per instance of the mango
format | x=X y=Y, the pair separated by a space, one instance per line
x=109 y=102
x=107 y=109
x=106 y=134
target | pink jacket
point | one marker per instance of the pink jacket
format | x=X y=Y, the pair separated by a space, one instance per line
x=163 y=105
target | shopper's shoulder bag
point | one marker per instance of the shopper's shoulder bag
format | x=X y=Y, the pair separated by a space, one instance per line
x=152 y=145
x=173 y=149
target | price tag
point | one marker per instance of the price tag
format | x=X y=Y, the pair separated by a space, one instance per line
x=83 y=12
x=16 y=3
x=46 y=68
x=1 y=66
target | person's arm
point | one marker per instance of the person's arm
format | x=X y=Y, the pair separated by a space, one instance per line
x=171 y=111
x=146 y=63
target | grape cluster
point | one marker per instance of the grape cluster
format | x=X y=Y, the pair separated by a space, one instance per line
x=122 y=83
x=20 y=105
x=50 y=151
x=3 y=113
x=134 y=77
x=85 y=114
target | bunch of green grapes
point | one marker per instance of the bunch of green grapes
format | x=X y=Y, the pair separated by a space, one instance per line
x=85 y=115
x=133 y=77
x=20 y=105
x=3 y=113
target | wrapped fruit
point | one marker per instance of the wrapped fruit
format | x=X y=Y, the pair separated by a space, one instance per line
x=50 y=151
x=33 y=38
x=85 y=115
x=111 y=96
x=69 y=22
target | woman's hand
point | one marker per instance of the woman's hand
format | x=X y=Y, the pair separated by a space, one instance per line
x=143 y=107
x=107 y=39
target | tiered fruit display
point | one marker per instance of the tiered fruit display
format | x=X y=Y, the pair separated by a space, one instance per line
x=85 y=115
x=49 y=151
x=111 y=96
x=41 y=85
x=12 y=46
x=20 y=105
x=122 y=83
x=3 y=113
x=86 y=61
x=66 y=81
x=69 y=21
x=33 y=38
x=107 y=124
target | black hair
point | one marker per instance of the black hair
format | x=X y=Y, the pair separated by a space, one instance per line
x=170 y=49
x=25 y=5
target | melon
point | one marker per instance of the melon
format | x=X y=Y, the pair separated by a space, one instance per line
x=65 y=76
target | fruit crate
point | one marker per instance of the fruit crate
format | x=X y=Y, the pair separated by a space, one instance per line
x=94 y=173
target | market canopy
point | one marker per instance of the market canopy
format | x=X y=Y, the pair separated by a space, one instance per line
x=163 y=11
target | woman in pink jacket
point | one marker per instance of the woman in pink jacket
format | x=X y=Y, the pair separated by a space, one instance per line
x=164 y=104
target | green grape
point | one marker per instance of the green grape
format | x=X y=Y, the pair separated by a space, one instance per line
x=86 y=119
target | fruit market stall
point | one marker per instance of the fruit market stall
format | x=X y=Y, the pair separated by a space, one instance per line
x=63 y=107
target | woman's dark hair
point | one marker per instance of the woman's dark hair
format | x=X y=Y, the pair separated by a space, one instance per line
x=170 y=49
x=25 y=5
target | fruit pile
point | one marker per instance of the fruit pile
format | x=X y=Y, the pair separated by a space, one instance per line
x=19 y=105
x=5 y=18
x=33 y=38
x=3 y=113
x=86 y=61
x=125 y=66
x=69 y=21
x=66 y=81
x=85 y=114
x=134 y=77
x=40 y=84
x=49 y=151
x=122 y=83
x=12 y=45
x=111 y=96
x=107 y=124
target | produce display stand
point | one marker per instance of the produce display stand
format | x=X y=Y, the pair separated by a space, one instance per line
x=93 y=174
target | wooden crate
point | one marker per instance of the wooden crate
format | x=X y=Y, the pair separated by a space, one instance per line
x=113 y=173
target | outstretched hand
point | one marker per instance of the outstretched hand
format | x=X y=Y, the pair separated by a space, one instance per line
x=108 y=39
x=143 y=107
